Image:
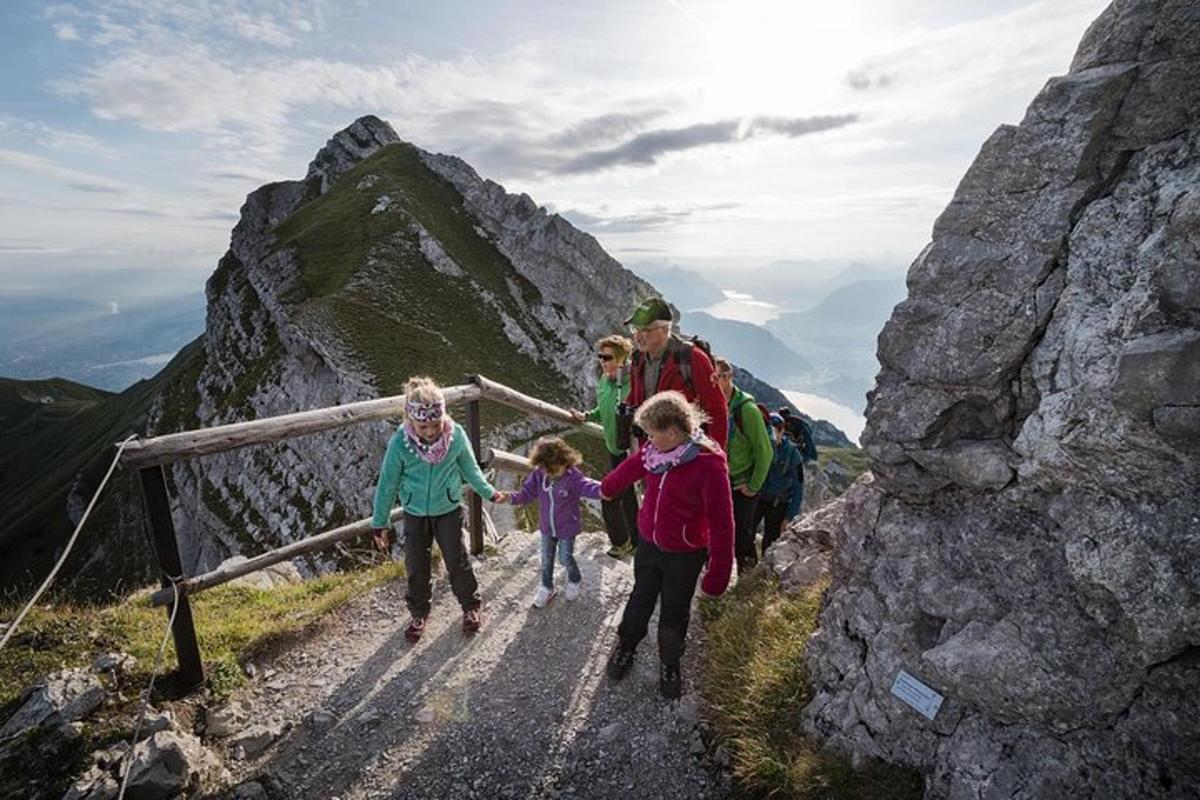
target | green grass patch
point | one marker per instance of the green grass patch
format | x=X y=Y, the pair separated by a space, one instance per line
x=854 y=459
x=755 y=683
x=233 y=624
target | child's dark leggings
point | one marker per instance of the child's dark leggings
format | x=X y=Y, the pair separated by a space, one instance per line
x=419 y=535
x=670 y=580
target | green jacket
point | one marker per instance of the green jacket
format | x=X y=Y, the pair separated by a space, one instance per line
x=608 y=395
x=749 y=448
x=424 y=489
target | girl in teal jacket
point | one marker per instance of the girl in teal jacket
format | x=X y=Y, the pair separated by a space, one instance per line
x=426 y=462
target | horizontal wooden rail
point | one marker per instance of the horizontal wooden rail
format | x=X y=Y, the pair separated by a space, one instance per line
x=502 y=459
x=174 y=446
x=505 y=396
x=216 y=577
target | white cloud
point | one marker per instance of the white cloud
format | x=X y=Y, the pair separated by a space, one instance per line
x=261 y=29
x=76 y=179
x=66 y=33
x=43 y=135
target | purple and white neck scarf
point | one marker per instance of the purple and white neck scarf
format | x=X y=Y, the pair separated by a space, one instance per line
x=432 y=452
x=658 y=462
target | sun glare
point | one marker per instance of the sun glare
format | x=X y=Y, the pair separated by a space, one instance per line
x=774 y=56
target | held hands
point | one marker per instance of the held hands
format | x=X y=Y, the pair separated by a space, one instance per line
x=500 y=498
x=577 y=415
x=745 y=489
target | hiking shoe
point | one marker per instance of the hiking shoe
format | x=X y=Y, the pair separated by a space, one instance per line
x=619 y=551
x=572 y=590
x=472 y=619
x=543 y=597
x=619 y=661
x=670 y=681
x=416 y=626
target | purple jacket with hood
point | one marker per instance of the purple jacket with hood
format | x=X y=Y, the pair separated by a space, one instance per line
x=558 y=500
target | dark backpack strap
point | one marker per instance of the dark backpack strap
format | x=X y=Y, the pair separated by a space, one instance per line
x=681 y=351
x=736 y=413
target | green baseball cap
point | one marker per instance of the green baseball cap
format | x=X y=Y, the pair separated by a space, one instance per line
x=650 y=310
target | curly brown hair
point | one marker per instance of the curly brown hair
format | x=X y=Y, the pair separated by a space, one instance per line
x=669 y=410
x=550 y=452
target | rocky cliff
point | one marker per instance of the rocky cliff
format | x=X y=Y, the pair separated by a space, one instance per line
x=1029 y=547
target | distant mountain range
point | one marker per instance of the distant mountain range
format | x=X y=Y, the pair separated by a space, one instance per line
x=748 y=345
x=838 y=338
x=687 y=289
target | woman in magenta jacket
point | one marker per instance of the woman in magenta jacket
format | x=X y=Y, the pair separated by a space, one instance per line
x=686 y=522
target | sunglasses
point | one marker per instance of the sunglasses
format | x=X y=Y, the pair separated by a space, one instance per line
x=605 y=356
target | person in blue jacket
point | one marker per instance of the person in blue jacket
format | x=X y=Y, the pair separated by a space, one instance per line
x=782 y=494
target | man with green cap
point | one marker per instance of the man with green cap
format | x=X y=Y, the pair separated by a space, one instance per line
x=663 y=362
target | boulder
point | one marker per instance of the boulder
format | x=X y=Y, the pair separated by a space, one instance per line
x=59 y=698
x=170 y=763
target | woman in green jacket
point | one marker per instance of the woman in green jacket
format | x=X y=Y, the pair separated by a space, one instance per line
x=426 y=462
x=620 y=513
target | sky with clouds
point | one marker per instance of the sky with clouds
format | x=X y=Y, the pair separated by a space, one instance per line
x=718 y=135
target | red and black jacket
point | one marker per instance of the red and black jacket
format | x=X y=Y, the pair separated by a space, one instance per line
x=695 y=381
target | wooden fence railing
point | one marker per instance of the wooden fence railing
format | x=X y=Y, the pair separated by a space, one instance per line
x=150 y=455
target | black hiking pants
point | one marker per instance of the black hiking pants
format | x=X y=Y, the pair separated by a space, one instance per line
x=419 y=535
x=743 y=530
x=772 y=513
x=666 y=579
x=620 y=513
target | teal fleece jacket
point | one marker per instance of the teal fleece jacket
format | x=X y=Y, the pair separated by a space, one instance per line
x=609 y=394
x=424 y=489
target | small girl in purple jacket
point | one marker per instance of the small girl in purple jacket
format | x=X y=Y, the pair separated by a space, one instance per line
x=558 y=485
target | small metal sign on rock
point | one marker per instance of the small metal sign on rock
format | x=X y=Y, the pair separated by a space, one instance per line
x=925 y=700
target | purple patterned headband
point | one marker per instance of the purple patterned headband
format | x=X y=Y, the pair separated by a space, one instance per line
x=424 y=412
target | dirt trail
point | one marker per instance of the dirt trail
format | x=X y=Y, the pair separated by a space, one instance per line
x=521 y=710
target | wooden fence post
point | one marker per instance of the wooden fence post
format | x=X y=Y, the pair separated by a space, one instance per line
x=475 y=502
x=166 y=548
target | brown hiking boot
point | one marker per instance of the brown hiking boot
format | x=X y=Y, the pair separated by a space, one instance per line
x=416 y=627
x=472 y=619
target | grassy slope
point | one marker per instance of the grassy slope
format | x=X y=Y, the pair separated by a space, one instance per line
x=854 y=459
x=234 y=624
x=39 y=466
x=755 y=684
x=400 y=316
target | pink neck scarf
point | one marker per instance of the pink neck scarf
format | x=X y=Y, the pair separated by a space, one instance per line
x=657 y=461
x=432 y=452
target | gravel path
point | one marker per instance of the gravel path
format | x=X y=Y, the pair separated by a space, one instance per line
x=521 y=710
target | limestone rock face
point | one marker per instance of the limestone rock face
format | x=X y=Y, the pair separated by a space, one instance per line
x=575 y=274
x=1029 y=546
